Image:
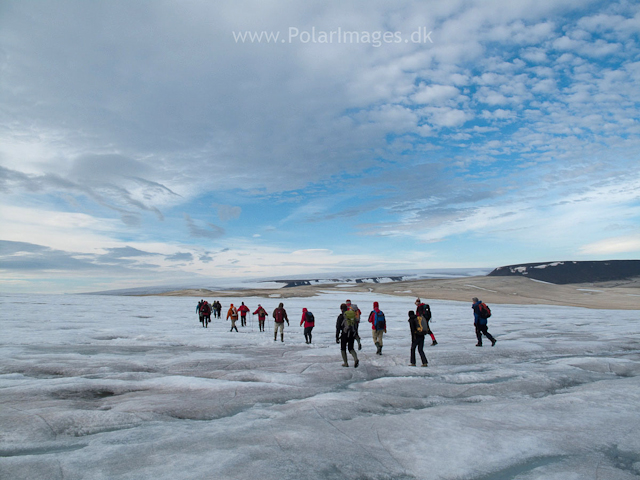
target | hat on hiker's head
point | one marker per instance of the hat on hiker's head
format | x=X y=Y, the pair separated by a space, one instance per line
x=259 y=305
x=475 y=299
x=417 y=300
x=375 y=305
x=348 y=302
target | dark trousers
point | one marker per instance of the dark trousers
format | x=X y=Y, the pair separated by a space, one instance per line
x=418 y=341
x=243 y=320
x=346 y=342
x=480 y=329
x=307 y=334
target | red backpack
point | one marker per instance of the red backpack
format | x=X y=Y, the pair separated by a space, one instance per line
x=484 y=310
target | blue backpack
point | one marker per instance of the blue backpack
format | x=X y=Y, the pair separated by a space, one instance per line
x=380 y=322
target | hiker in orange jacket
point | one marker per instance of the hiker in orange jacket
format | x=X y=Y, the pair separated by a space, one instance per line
x=233 y=313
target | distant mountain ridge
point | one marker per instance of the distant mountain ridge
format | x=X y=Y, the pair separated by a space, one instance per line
x=573 y=272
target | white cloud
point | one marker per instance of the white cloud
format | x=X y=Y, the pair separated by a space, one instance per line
x=613 y=245
x=435 y=94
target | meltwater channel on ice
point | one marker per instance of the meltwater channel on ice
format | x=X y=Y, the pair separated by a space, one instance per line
x=120 y=387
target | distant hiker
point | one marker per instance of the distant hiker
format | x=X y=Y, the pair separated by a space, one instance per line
x=205 y=310
x=218 y=308
x=233 y=314
x=346 y=325
x=480 y=315
x=199 y=312
x=424 y=310
x=262 y=313
x=243 y=310
x=309 y=322
x=378 y=326
x=418 y=327
x=354 y=307
x=279 y=317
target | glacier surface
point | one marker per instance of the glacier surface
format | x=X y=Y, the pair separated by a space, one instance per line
x=109 y=387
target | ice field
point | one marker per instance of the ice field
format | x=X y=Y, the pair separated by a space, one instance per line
x=105 y=387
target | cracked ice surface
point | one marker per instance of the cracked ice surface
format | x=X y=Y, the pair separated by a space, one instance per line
x=106 y=387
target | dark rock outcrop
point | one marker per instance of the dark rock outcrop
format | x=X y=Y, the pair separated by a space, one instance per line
x=573 y=272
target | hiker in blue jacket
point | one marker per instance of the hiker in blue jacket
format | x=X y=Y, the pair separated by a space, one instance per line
x=480 y=322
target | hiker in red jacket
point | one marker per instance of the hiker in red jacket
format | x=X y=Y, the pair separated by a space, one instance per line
x=205 y=310
x=309 y=322
x=262 y=313
x=243 y=310
x=279 y=317
x=378 y=326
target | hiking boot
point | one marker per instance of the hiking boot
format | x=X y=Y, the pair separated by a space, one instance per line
x=478 y=344
x=344 y=358
x=356 y=364
x=275 y=337
x=434 y=343
x=412 y=364
x=493 y=342
x=425 y=364
x=359 y=346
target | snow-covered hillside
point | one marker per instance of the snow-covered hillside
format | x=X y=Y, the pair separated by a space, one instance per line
x=129 y=388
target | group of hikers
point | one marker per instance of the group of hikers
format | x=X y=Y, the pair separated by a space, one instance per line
x=347 y=325
x=206 y=309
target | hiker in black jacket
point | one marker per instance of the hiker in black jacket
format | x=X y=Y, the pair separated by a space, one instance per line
x=417 y=339
x=346 y=331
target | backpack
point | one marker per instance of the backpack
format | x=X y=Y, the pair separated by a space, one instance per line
x=279 y=316
x=206 y=309
x=426 y=312
x=379 y=321
x=484 y=310
x=350 y=319
x=310 y=318
x=422 y=325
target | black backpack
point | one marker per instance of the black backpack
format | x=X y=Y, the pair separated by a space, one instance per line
x=426 y=312
x=310 y=318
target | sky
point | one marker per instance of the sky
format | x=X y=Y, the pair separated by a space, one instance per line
x=146 y=143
